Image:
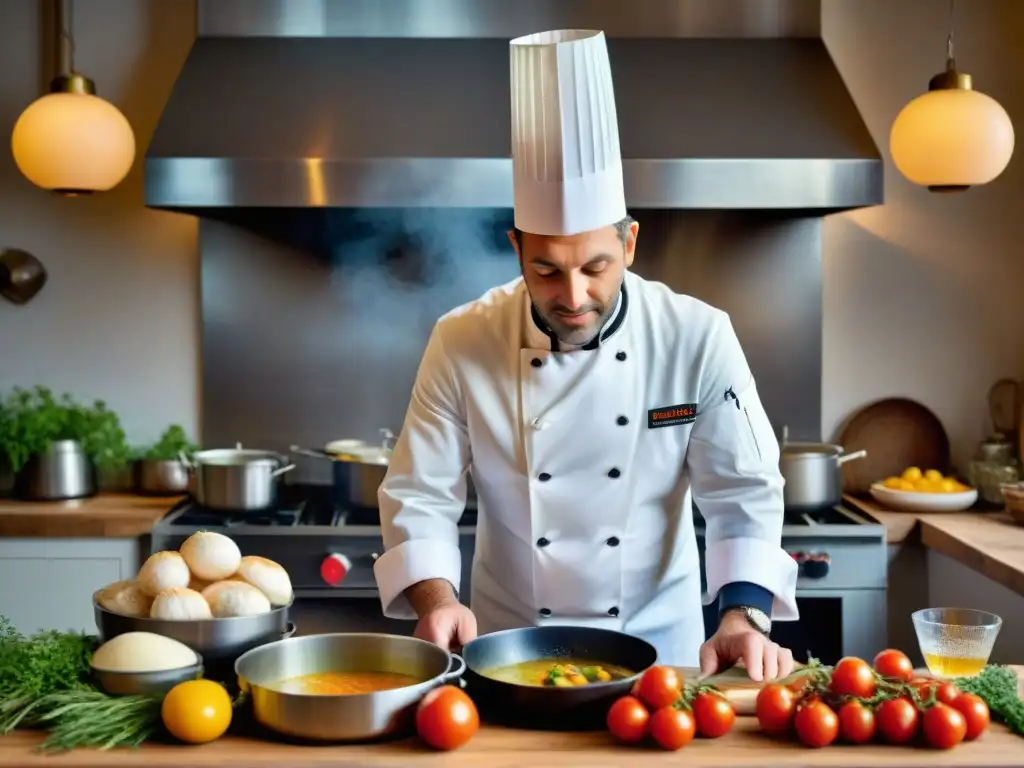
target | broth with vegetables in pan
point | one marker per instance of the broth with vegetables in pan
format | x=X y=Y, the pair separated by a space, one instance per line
x=344 y=683
x=558 y=673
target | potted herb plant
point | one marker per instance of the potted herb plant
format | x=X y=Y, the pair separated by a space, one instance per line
x=55 y=446
x=159 y=469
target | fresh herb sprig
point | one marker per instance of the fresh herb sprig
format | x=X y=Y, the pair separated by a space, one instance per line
x=998 y=686
x=33 y=667
x=92 y=719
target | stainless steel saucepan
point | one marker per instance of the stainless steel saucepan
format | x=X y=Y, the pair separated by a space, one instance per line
x=813 y=473
x=352 y=717
x=236 y=479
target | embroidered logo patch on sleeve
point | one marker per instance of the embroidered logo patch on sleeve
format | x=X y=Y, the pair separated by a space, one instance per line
x=672 y=416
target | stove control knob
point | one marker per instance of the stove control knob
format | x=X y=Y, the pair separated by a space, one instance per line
x=334 y=568
x=816 y=566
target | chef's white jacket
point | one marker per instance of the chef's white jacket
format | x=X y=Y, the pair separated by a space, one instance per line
x=585 y=464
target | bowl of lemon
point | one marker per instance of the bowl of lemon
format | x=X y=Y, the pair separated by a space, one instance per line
x=924 y=491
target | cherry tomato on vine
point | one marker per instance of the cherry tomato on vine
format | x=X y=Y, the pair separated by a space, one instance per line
x=628 y=720
x=856 y=723
x=775 y=708
x=944 y=727
x=672 y=728
x=659 y=687
x=897 y=720
x=894 y=665
x=816 y=724
x=975 y=712
x=713 y=713
x=947 y=693
x=853 y=677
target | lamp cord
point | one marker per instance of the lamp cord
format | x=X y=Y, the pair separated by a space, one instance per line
x=949 y=38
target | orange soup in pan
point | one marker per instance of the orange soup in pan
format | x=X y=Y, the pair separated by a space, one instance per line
x=344 y=683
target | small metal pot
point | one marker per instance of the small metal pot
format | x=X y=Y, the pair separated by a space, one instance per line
x=62 y=472
x=356 y=717
x=236 y=479
x=161 y=477
x=813 y=474
x=550 y=708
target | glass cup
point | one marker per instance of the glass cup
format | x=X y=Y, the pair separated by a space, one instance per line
x=955 y=642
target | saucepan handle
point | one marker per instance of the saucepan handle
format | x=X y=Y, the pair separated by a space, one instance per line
x=456 y=667
x=851 y=456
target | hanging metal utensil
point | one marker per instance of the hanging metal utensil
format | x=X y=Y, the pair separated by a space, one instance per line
x=22 y=276
x=1004 y=406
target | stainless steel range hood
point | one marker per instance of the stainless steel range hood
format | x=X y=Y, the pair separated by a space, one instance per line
x=343 y=105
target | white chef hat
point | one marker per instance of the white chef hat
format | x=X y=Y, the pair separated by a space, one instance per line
x=567 y=168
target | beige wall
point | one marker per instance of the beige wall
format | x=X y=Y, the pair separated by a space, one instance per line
x=922 y=296
x=118 y=319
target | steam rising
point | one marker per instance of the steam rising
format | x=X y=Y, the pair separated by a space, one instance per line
x=409 y=266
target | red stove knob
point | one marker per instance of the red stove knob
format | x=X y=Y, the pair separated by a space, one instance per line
x=334 y=568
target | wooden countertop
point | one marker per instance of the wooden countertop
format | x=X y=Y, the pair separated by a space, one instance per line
x=988 y=542
x=504 y=748
x=107 y=515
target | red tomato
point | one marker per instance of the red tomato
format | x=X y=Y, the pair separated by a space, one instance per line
x=975 y=712
x=944 y=727
x=947 y=693
x=816 y=724
x=672 y=728
x=897 y=720
x=628 y=720
x=447 y=718
x=856 y=723
x=894 y=665
x=775 y=707
x=853 y=677
x=714 y=714
x=659 y=687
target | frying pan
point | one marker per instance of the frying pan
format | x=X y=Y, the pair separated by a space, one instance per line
x=543 y=708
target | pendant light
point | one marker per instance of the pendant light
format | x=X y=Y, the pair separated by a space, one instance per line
x=952 y=137
x=71 y=141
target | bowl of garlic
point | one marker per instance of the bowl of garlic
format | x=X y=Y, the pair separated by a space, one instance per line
x=206 y=595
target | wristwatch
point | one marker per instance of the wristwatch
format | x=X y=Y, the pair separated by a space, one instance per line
x=757 y=618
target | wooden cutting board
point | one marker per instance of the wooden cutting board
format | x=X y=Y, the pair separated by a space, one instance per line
x=734 y=684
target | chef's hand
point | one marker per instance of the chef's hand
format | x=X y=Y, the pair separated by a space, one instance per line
x=737 y=641
x=449 y=624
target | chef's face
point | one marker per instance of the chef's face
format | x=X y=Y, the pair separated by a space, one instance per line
x=574 y=280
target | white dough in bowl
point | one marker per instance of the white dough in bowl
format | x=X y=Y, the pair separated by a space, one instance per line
x=142 y=652
x=162 y=571
x=268 y=577
x=125 y=598
x=180 y=604
x=232 y=598
x=211 y=556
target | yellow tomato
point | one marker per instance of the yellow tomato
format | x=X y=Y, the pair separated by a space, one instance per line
x=934 y=475
x=949 y=485
x=911 y=474
x=905 y=485
x=197 y=711
x=893 y=483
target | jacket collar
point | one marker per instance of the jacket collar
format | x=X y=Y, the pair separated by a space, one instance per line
x=540 y=336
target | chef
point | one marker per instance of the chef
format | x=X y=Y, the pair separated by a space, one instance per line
x=592 y=408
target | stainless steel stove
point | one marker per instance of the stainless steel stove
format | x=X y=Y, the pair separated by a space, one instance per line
x=329 y=553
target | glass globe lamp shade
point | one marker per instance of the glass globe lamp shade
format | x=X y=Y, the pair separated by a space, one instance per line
x=73 y=143
x=951 y=138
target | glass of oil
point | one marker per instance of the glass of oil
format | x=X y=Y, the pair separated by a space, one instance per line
x=956 y=642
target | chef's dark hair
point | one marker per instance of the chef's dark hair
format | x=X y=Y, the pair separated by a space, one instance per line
x=621 y=227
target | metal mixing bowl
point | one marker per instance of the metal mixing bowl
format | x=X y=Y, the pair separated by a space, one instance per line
x=146 y=683
x=216 y=640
